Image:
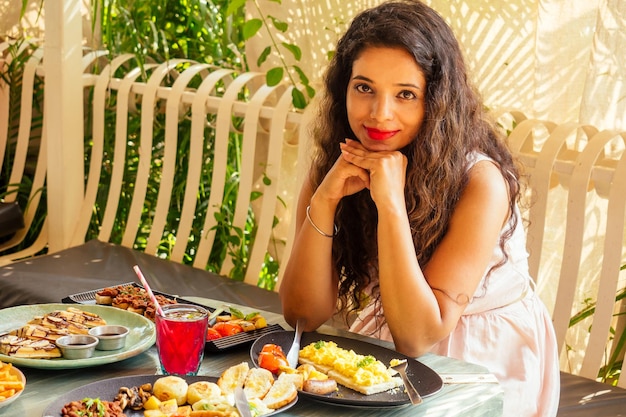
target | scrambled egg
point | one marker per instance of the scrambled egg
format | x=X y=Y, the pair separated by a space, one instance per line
x=363 y=370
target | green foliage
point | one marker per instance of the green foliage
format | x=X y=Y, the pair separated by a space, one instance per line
x=610 y=372
x=275 y=75
x=166 y=29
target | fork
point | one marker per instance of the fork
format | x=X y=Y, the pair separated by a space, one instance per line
x=217 y=312
x=412 y=392
x=294 y=350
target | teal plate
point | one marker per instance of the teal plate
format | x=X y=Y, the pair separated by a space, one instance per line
x=141 y=337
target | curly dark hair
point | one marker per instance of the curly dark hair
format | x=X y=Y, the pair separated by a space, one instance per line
x=455 y=126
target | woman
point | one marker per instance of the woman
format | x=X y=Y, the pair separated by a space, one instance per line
x=409 y=217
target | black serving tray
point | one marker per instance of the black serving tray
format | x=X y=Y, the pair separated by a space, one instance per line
x=216 y=345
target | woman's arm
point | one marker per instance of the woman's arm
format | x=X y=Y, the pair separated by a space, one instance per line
x=309 y=287
x=422 y=306
x=310 y=284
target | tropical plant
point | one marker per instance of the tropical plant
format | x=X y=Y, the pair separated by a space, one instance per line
x=276 y=75
x=610 y=371
x=161 y=30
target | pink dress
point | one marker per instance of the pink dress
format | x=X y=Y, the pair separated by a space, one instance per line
x=505 y=328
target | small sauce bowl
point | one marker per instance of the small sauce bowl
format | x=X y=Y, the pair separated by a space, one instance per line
x=77 y=346
x=111 y=337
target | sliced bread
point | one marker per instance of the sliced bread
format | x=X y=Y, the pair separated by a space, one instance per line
x=233 y=377
x=283 y=391
x=258 y=383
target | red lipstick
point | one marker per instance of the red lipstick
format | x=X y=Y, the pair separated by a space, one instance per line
x=377 y=134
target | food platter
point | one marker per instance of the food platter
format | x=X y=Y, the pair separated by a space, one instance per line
x=108 y=388
x=20 y=375
x=426 y=380
x=89 y=297
x=141 y=336
x=240 y=340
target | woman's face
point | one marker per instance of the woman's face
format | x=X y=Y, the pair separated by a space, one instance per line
x=385 y=98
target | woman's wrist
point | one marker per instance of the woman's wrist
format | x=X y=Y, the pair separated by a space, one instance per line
x=317 y=229
x=317 y=214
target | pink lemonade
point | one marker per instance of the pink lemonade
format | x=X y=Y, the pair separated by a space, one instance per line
x=181 y=336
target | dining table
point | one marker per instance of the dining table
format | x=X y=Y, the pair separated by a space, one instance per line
x=51 y=278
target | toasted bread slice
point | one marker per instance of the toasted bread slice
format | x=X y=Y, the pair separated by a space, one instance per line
x=318 y=366
x=283 y=391
x=258 y=383
x=394 y=382
x=365 y=389
x=297 y=379
x=233 y=377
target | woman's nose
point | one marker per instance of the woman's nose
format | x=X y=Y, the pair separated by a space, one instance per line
x=382 y=108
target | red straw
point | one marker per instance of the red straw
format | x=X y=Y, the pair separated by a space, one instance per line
x=148 y=290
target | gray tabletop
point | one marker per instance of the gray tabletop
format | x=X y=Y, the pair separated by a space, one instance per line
x=95 y=265
x=474 y=399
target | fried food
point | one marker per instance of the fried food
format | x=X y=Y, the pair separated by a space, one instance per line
x=10 y=383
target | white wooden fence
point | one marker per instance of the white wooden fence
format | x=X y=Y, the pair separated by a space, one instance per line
x=268 y=125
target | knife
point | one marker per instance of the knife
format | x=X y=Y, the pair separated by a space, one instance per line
x=469 y=378
x=241 y=402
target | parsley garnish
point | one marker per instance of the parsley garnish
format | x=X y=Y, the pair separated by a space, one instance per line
x=368 y=360
x=320 y=344
x=89 y=403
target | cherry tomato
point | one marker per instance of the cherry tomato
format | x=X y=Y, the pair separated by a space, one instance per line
x=272 y=358
x=274 y=350
x=227 y=329
x=212 y=334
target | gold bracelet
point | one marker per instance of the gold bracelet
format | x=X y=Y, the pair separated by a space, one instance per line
x=320 y=231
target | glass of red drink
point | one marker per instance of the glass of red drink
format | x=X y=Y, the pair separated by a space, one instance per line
x=180 y=338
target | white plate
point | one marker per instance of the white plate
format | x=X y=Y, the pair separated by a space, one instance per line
x=14 y=371
x=141 y=337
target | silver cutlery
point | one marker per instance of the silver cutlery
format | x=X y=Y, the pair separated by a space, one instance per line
x=412 y=392
x=294 y=350
x=241 y=402
x=469 y=378
x=217 y=312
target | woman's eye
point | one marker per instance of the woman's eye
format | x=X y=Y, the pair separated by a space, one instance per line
x=407 y=95
x=363 y=88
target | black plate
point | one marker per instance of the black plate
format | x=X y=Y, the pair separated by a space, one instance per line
x=108 y=388
x=239 y=339
x=427 y=381
x=218 y=345
x=89 y=297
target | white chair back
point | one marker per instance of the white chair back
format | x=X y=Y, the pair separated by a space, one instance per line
x=577 y=202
